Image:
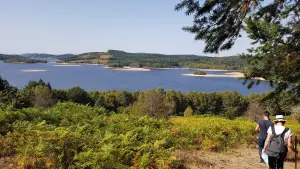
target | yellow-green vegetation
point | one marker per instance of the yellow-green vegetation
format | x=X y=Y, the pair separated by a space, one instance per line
x=70 y=135
x=212 y=132
x=188 y=111
x=41 y=127
x=105 y=56
x=91 y=57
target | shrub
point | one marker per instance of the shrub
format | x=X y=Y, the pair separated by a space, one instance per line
x=78 y=95
x=199 y=73
x=71 y=135
x=188 y=111
x=212 y=133
x=296 y=114
x=43 y=97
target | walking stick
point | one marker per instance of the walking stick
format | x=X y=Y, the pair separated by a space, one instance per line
x=296 y=141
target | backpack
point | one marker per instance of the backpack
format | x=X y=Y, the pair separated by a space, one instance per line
x=277 y=147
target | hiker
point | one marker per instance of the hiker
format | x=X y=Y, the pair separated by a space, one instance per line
x=277 y=143
x=262 y=127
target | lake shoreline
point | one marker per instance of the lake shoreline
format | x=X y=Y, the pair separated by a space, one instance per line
x=208 y=70
x=150 y=69
x=127 y=68
x=147 y=68
x=227 y=75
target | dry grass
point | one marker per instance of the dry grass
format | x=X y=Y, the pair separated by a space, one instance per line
x=105 y=57
x=243 y=158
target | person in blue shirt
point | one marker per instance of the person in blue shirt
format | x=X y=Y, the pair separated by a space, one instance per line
x=262 y=127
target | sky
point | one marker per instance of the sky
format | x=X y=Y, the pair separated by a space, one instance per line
x=77 y=26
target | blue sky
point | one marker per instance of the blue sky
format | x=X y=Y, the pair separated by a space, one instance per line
x=77 y=26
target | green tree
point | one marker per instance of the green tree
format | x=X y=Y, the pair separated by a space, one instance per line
x=26 y=96
x=60 y=95
x=99 y=101
x=272 y=25
x=154 y=104
x=110 y=101
x=7 y=93
x=234 y=104
x=43 y=97
x=124 y=98
x=188 y=111
x=78 y=95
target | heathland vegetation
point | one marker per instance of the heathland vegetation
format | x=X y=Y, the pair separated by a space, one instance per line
x=41 y=127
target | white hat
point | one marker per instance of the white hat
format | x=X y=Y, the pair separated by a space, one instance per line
x=279 y=118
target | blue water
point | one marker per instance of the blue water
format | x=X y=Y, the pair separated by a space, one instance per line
x=91 y=77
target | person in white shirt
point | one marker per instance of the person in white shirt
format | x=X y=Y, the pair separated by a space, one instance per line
x=275 y=163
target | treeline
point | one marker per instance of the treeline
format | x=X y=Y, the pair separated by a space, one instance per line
x=121 y=58
x=155 y=103
x=19 y=59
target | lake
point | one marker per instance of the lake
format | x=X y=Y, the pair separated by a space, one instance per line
x=95 y=77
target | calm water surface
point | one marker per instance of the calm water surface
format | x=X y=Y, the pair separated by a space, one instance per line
x=92 y=77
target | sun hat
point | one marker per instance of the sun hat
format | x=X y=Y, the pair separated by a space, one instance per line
x=279 y=118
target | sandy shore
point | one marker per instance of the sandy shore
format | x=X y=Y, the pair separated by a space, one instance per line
x=36 y=70
x=93 y=64
x=131 y=69
x=230 y=75
x=206 y=70
x=65 y=65
x=127 y=68
x=215 y=70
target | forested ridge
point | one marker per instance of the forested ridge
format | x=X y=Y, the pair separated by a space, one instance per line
x=19 y=59
x=116 y=58
x=45 y=55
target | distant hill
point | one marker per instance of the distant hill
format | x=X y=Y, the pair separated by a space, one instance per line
x=45 y=55
x=19 y=59
x=90 y=57
x=117 y=58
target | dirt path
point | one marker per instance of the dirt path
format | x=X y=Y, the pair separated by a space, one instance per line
x=245 y=158
x=7 y=163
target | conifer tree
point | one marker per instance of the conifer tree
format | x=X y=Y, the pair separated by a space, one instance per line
x=273 y=26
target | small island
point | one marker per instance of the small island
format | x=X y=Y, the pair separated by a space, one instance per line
x=199 y=73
